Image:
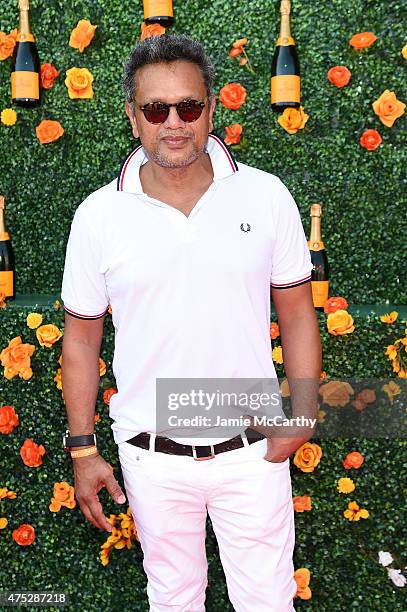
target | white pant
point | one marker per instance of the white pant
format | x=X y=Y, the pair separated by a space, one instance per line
x=249 y=501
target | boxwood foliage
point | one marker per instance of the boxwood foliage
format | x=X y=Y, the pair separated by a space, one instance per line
x=361 y=191
x=342 y=556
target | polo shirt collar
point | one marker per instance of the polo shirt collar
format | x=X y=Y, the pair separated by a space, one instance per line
x=223 y=165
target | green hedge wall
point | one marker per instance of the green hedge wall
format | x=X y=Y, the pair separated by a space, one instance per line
x=361 y=191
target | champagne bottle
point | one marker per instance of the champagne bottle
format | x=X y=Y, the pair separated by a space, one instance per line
x=7 y=284
x=26 y=68
x=159 y=11
x=285 y=67
x=320 y=271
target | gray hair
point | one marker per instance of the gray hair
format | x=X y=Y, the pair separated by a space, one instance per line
x=166 y=48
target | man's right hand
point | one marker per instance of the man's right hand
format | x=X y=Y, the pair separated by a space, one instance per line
x=91 y=474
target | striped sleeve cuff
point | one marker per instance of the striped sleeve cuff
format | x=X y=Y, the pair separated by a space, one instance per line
x=293 y=283
x=79 y=315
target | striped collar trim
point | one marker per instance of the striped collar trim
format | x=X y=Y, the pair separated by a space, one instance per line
x=223 y=164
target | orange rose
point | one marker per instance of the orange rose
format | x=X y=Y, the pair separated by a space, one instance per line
x=79 y=83
x=274 y=330
x=16 y=356
x=107 y=394
x=335 y=303
x=31 y=453
x=149 y=31
x=24 y=535
x=49 y=131
x=388 y=108
x=370 y=140
x=353 y=460
x=63 y=496
x=8 y=419
x=362 y=40
x=340 y=322
x=233 y=133
x=302 y=577
x=48 y=75
x=7 y=44
x=232 y=96
x=308 y=456
x=302 y=503
x=336 y=393
x=82 y=35
x=47 y=335
x=293 y=119
x=339 y=76
x=368 y=396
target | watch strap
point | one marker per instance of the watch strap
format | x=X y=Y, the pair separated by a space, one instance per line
x=82 y=440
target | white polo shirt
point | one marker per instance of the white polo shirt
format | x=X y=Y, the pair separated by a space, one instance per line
x=190 y=296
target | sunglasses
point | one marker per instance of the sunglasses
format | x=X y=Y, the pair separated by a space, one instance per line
x=188 y=111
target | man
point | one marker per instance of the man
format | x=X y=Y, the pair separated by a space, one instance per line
x=184 y=246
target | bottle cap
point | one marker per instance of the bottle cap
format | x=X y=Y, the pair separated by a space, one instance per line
x=316 y=210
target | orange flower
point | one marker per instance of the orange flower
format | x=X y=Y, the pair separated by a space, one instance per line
x=274 y=330
x=24 y=535
x=345 y=485
x=233 y=133
x=8 y=419
x=336 y=393
x=63 y=496
x=232 y=96
x=49 y=131
x=340 y=322
x=3 y=303
x=293 y=119
x=31 y=453
x=102 y=367
x=339 y=76
x=389 y=317
x=79 y=83
x=148 y=31
x=16 y=358
x=47 y=335
x=58 y=379
x=335 y=303
x=302 y=577
x=370 y=139
x=48 y=75
x=7 y=44
x=388 y=108
x=362 y=40
x=234 y=52
x=82 y=35
x=302 y=503
x=354 y=512
x=308 y=456
x=107 y=394
x=353 y=460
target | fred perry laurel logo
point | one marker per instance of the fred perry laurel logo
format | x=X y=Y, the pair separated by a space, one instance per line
x=245 y=227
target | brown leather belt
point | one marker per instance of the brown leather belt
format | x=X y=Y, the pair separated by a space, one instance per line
x=166 y=445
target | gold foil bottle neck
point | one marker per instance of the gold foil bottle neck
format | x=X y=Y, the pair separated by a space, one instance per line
x=24 y=5
x=2 y=202
x=285 y=7
x=316 y=210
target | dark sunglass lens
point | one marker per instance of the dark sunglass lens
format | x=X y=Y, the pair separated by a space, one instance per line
x=156 y=113
x=189 y=111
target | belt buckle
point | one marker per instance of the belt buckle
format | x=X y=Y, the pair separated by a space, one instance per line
x=211 y=456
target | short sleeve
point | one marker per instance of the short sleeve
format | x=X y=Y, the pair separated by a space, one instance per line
x=291 y=260
x=83 y=285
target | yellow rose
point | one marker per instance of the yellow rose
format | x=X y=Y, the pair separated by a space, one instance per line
x=293 y=119
x=340 y=322
x=388 y=108
x=79 y=83
x=47 y=335
x=34 y=320
x=308 y=456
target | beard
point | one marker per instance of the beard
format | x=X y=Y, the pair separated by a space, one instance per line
x=165 y=161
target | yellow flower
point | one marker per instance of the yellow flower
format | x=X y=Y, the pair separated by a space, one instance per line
x=47 y=335
x=389 y=318
x=82 y=35
x=346 y=485
x=58 y=379
x=388 y=108
x=340 y=322
x=293 y=119
x=404 y=51
x=79 y=83
x=57 y=305
x=277 y=354
x=391 y=352
x=321 y=416
x=392 y=389
x=3 y=523
x=8 y=116
x=102 y=367
x=354 y=512
x=34 y=320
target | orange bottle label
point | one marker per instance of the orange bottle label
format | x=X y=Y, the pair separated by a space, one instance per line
x=285 y=88
x=6 y=283
x=320 y=291
x=25 y=37
x=25 y=84
x=316 y=246
x=158 y=8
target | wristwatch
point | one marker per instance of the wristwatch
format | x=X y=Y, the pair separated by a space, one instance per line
x=84 y=440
